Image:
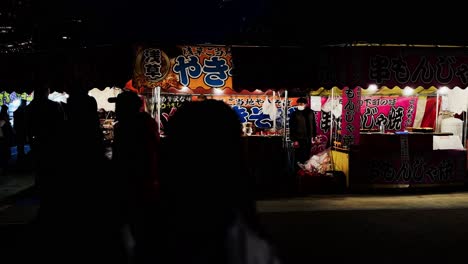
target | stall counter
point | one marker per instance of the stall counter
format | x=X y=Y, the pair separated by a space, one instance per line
x=402 y=160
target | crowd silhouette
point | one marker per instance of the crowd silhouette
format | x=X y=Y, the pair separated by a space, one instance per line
x=179 y=199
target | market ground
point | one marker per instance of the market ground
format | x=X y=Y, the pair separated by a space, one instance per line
x=422 y=227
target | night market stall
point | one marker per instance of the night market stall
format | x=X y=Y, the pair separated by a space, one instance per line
x=401 y=118
x=168 y=76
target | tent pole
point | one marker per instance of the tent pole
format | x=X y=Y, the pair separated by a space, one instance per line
x=158 y=109
x=331 y=130
x=437 y=113
x=465 y=128
x=274 y=120
x=285 y=117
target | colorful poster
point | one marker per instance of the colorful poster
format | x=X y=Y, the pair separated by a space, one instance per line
x=199 y=68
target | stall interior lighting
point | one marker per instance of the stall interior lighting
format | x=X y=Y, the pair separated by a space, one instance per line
x=443 y=90
x=408 y=91
x=372 y=88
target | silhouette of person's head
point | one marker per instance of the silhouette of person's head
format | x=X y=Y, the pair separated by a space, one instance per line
x=204 y=146
x=77 y=89
x=127 y=104
x=41 y=90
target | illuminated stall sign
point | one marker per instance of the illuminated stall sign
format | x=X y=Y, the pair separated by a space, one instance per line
x=250 y=109
x=195 y=67
x=393 y=66
x=417 y=70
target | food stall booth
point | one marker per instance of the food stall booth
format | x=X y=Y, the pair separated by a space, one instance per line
x=169 y=76
x=400 y=121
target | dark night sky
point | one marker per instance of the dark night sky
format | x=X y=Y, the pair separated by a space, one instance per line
x=93 y=23
x=288 y=22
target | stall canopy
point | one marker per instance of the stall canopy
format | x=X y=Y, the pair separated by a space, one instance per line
x=67 y=69
x=102 y=97
x=273 y=68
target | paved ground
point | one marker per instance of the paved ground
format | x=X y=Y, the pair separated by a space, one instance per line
x=14 y=183
x=346 y=202
x=417 y=228
x=398 y=227
x=390 y=228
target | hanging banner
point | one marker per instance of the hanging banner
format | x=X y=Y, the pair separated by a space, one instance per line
x=350 y=121
x=252 y=109
x=200 y=68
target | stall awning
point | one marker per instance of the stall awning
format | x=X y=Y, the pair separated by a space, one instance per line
x=67 y=68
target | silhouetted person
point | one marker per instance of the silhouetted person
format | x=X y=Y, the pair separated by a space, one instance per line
x=207 y=199
x=91 y=226
x=6 y=139
x=135 y=155
x=85 y=141
x=45 y=131
x=19 y=125
x=45 y=121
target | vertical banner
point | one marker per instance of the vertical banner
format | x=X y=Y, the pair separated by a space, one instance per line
x=350 y=126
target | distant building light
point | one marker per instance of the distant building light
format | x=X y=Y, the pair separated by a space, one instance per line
x=64 y=37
